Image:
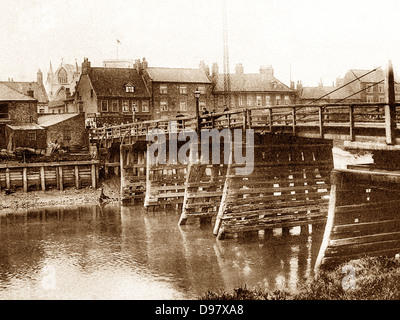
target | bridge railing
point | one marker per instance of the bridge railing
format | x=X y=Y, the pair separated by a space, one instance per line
x=263 y=117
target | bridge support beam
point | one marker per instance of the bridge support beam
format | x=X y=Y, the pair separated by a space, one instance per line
x=133 y=172
x=288 y=187
x=203 y=190
x=165 y=182
x=363 y=216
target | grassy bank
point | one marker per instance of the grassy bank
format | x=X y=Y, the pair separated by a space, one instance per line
x=374 y=279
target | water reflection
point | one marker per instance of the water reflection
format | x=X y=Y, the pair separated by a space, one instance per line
x=115 y=252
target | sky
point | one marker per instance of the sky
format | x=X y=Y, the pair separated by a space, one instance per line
x=303 y=40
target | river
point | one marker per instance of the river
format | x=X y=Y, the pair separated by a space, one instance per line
x=116 y=252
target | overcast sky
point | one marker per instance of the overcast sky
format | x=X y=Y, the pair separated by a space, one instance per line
x=307 y=39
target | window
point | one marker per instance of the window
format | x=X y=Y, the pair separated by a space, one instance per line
x=145 y=106
x=163 y=106
x=241 y=101
x=268 y=100
x=286 y=100
x=41 y=110
x=202 y=89
x=32 y=136
x=221 y=100
x=259 y=101
x=183 y=106
x=249 y=100
x=163 y=89
x=369 y=88
x=91 y=93
x=278 y=100
x=129 y=87
x=104 y=106
x=135 y=107
x=3 y=111
x=381 y=88
x=125 y=106
x=183 y=90
x=115 y=106
x=370 y=98
x=62 y=76
x=382 y=99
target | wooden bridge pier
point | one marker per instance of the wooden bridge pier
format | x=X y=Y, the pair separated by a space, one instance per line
x=288 y=187
x=363 y=213
x=165 y=182
x=133 y=171
x=203 y=189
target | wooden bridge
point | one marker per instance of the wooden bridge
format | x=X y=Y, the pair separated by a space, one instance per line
x=290 y=181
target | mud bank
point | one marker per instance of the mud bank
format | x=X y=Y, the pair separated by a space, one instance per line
x=107 y=192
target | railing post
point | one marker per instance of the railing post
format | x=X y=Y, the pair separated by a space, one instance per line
x=351 y=110
x=321 y=122
x=390 y=107
x=294 y=120
x=270 y=119
x=244 y=119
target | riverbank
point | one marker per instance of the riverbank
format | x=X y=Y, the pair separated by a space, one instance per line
x=14 y=202
x=361 y=279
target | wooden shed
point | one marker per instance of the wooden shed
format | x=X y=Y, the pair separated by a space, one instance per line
x=28 y=135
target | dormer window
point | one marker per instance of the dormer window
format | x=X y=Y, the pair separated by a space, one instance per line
x=129 y=87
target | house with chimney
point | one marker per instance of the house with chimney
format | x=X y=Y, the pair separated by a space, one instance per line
x=34 y=89
x=19 y=121
x=172 y=89
x=356 y=86
x=250 y=89
x=110 y=96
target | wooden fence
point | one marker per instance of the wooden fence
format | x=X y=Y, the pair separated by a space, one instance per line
x=44 y=176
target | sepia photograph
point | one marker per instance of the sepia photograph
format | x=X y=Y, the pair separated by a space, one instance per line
x=199 y=150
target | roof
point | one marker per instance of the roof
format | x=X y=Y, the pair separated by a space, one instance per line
x=324 y=93
x=39 y=92
x=8 y=94
x=181 y=75
x=254 y=82
x=112 y=81
x=52 y=119
x=56 y=103
x=26 y=126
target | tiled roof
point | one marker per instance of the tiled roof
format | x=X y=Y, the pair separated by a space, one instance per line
x=52 y=119
x=324 y=92
x=180 y=75
x=252 y=82
x=39 y=92
x=9 y=94
x=111 y=82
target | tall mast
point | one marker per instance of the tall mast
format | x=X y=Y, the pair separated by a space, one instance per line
x=227 y=77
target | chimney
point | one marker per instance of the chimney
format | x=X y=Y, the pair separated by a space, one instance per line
x=145 y=64
x=292 y=85
x=268 y=71
x=40 y=77
x=85 y=66
x=299 y=85
x=239 y=69
x=204 y=68
x=138 y=66
x=320 y=84
x=214 y=70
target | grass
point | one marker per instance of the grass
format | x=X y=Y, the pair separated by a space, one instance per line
x=374 y=279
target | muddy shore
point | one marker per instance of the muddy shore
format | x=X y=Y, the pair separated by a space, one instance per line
x=108 y=191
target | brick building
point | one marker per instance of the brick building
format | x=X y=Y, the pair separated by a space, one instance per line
x=67 y=130
x=112 y=95
x=172 y=89
x=32 y=87
x=19 y=120
x=251 y=89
